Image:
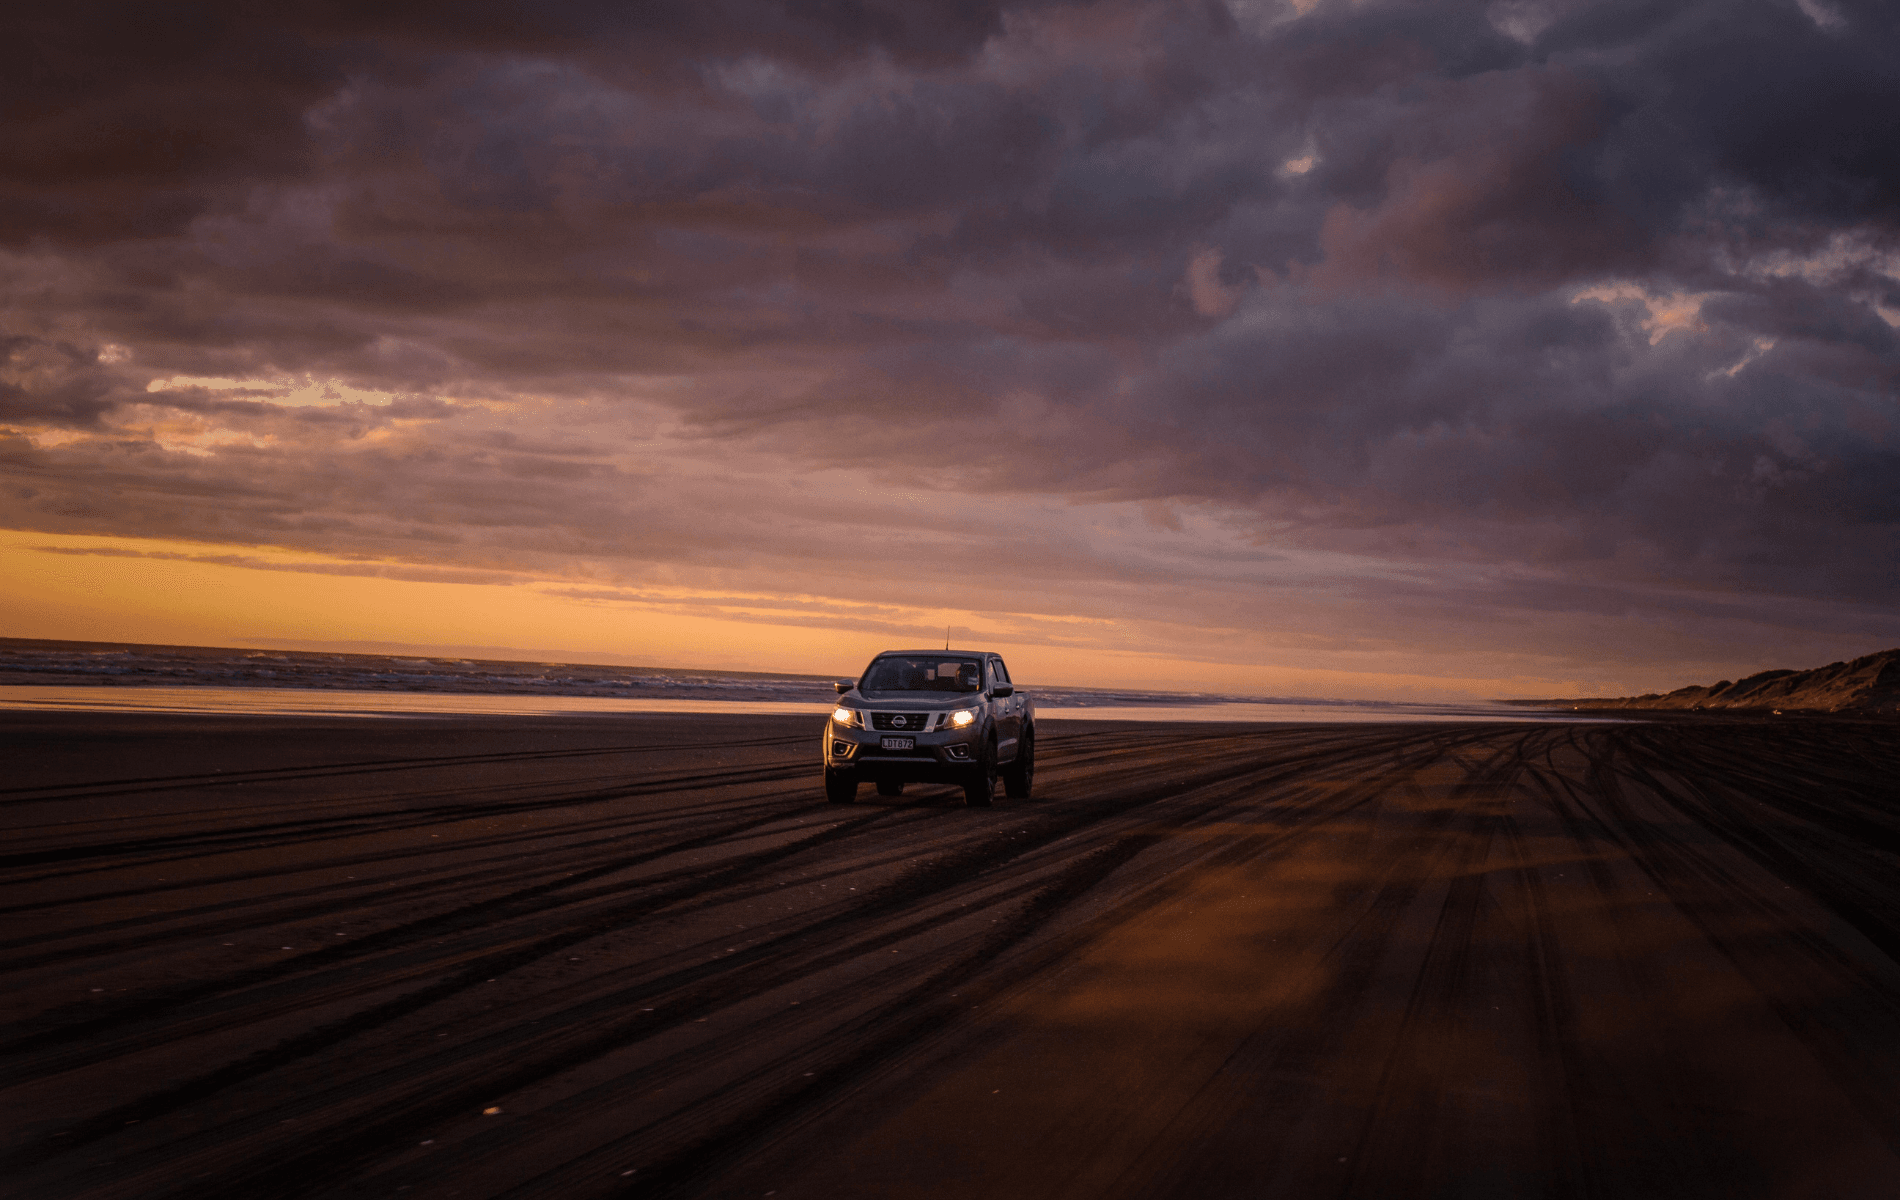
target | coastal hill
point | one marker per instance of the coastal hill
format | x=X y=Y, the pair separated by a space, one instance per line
x=1865 y=685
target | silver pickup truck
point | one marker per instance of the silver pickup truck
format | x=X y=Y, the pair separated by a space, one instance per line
x=931 y=716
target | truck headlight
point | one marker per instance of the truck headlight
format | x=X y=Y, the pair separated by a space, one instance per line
x=963 y=718
x=848 y=718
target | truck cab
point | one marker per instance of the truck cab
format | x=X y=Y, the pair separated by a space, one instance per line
x=931 y=716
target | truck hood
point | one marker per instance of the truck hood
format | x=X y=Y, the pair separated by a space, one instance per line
x=910 y=701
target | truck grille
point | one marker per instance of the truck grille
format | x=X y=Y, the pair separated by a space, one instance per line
x=900 y=722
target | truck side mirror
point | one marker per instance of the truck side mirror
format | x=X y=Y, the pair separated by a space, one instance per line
x=1002 y=690
x=843 y=686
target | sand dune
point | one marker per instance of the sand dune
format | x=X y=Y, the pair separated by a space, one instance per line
x=1866 y=685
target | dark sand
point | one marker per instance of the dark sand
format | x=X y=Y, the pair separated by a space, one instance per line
x=273 y=957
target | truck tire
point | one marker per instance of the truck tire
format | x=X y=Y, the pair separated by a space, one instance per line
x=980 y=784
x=1021 y=774
x=890 y=787
x=840 y=788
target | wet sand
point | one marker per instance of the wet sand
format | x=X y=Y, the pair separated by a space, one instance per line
x=291 y=956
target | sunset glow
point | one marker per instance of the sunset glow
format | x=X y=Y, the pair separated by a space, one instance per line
x=179 y=593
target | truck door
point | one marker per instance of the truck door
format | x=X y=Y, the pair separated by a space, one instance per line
x=1009 y=714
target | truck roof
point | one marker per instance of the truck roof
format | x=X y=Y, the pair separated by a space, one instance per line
x=935 y=650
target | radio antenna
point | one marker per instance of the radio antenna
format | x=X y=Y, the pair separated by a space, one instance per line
x=946 y=639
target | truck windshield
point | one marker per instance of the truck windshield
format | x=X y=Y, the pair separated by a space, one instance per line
x=932 y=674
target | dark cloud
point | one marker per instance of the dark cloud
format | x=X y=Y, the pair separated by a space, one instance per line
x=1524 y=295
x=129 y=120
x=54 y=380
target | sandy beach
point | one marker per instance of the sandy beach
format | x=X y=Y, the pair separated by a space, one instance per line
x=572 y=956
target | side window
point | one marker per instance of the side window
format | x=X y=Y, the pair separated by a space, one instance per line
x=1002 y=672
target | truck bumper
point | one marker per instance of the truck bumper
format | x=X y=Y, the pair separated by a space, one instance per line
x=936 y=758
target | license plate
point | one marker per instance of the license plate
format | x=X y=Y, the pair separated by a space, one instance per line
x=891 y=743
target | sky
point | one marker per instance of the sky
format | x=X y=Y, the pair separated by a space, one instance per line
x=1398 y=348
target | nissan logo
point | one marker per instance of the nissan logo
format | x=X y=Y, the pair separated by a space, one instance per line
x=897 y=722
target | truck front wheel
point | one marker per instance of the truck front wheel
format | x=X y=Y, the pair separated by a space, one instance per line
x=980 y=784
x=840 y=788
x=1021 y=773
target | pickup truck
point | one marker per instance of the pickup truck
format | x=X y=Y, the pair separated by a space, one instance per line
x=931 y=716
